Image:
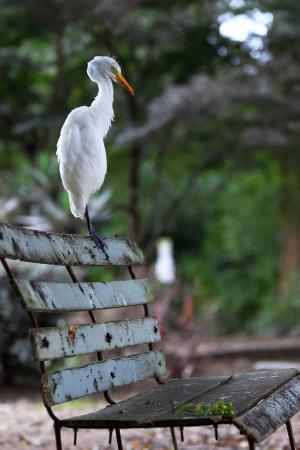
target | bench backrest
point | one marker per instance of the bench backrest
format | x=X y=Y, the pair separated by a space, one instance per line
x=50 y=343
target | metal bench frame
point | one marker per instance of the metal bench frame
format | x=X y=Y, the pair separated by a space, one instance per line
x=278 y=397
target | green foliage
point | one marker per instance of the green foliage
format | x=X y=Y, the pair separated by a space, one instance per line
x=283 y=318
x=223 y=409
x=237 y=241
x=226 y=216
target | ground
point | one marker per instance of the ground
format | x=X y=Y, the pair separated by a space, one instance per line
x=25 y=425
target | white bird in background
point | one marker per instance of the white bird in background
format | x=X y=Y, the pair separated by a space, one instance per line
x=80 y=147
x=165 y=269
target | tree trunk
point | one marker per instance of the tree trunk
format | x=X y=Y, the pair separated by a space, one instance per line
x=290 y=258
x=134 y=194
x=134 y=178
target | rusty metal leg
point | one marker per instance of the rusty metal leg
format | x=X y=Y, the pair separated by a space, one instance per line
x=57 y=429
x=291 y=435
x=119 y=439
x=175 y=445
x=216 y=432
x=110 y=435
x=251 y=444
x=181 y=434
x=75 y=436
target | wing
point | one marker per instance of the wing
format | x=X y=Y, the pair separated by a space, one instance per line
x=81 y=156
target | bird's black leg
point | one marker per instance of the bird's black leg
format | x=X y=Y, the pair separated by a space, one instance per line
x=94 y=235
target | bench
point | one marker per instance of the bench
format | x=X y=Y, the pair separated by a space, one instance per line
x=256 y=403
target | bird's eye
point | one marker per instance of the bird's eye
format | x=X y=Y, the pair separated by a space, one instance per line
x=114 y=70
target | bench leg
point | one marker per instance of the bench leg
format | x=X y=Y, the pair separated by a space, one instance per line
x=110 y=435
x=57 y=429
x=119 y=439
x=175 y=445
x=291 y=435
x=251 y=444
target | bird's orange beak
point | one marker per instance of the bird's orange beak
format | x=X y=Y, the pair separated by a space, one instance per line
x=120 y=79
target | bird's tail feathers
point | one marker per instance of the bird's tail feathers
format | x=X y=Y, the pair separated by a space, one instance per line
x=77 y=206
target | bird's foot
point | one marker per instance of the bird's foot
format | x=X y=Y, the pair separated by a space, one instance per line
x=100 y=243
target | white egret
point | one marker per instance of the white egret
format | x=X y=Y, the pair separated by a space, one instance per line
x=165 y=269
x=80 y=147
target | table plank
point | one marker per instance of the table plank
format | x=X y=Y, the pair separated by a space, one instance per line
x=149 y=406
x=265 y=418
x=157 y=407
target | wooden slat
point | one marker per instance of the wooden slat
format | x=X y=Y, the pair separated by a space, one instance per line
x=53 y=343
x=245 y=390
x=154 y=403
x=69 y=384
x=44 y=297
x=157 y=407
x=65 y=249
x=271 y=413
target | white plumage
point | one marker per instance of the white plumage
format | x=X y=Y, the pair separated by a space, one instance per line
x=165 y=270
x=80 y=147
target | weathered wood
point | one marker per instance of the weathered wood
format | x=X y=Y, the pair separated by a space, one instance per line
x=65 y=249
x=69 y=384
x=262 y=401
x=46 y=297
x=245 y=390
x=154 y=403
x=271 y=349
x=265 y=418
x=53 y=343
x=158 y=407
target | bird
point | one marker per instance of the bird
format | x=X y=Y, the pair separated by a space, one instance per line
x=80 y=151
x=165 y=269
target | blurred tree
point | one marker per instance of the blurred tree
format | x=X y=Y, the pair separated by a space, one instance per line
x=274 y=124
x=206 y=151
x=156 y=46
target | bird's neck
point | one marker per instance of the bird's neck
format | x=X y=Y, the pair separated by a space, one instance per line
x=102 y=106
